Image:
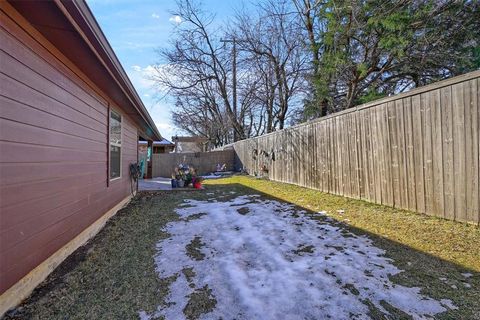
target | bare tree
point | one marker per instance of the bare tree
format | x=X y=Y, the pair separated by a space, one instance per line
x=197 y=60
x=274 y=51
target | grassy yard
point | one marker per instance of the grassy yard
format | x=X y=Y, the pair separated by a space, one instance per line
x=114 y=277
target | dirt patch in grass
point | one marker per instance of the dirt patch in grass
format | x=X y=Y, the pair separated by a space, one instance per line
x=195 y=216
x=434 y=253
x=243 y=210
x=394 y=312
x=194 y=249
x=190 y=275
x=304 y=249
x=338 y=248
x=201 y=301
x=350 y=287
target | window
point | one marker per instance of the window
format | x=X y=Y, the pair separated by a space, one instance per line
x=115 y=145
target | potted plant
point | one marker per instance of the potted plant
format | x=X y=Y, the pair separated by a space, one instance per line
x=174 y=181
x=180 y=181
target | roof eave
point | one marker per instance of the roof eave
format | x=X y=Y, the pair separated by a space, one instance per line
x=83 y=20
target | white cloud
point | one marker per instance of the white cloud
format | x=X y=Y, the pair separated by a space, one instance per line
x=146 y=77
x=155 y=16
x=150 y=70
x=143 y=76
x=166 y=130
x=175 y=19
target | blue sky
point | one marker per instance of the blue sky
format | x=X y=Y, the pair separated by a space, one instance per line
x=135 y=29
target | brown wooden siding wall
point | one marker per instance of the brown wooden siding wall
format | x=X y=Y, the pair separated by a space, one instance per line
x=417 y=151
x=53 y=159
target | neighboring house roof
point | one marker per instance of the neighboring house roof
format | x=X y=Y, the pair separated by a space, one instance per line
x=73 y=30
x=165 y=142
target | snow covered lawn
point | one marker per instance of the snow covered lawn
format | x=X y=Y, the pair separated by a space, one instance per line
x=249 y=257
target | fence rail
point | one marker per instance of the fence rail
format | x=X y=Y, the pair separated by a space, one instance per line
x=204 y=162
x=418 y=151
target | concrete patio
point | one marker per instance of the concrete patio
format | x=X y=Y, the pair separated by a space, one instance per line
x=154 y=184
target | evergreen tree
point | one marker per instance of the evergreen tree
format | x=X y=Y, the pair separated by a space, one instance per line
x=368 y=49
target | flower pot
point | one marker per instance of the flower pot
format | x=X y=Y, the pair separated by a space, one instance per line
x=180 y=183
x=174 y=183
x=197 y=185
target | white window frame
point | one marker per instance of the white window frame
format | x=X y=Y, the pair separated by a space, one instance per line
x=114 y=144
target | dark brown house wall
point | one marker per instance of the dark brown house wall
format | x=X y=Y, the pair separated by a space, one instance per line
x=53 y=151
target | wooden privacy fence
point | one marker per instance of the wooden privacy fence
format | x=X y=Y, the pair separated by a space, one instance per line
x=204 y=162
x=417 y=151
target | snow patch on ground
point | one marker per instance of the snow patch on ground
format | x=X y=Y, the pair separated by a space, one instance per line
x=268 y=261
x=212 y=176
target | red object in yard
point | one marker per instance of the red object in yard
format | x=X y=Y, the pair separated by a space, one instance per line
x=197 y=185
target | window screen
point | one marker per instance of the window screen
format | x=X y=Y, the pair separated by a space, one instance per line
x=115 y=145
